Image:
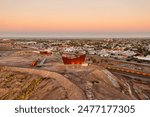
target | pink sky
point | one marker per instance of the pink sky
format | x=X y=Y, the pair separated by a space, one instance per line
x=75 y=15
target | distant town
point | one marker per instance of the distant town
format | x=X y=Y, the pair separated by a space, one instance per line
x=136 y=50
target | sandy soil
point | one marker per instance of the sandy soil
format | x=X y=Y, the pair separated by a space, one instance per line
x=19 y=80
x=75 y=82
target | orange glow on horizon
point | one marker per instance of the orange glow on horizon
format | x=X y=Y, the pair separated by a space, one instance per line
x=68 y=15
x=74 y=26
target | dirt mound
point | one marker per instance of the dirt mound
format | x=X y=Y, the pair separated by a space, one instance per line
x=69 y=82
x=23 y=83
x=95 y=83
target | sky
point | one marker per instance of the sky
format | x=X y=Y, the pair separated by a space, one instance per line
x=75 y=16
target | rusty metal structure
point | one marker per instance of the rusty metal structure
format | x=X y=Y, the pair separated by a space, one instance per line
x=73 y=59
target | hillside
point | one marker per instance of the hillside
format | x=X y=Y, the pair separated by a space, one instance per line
x=68 y=82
